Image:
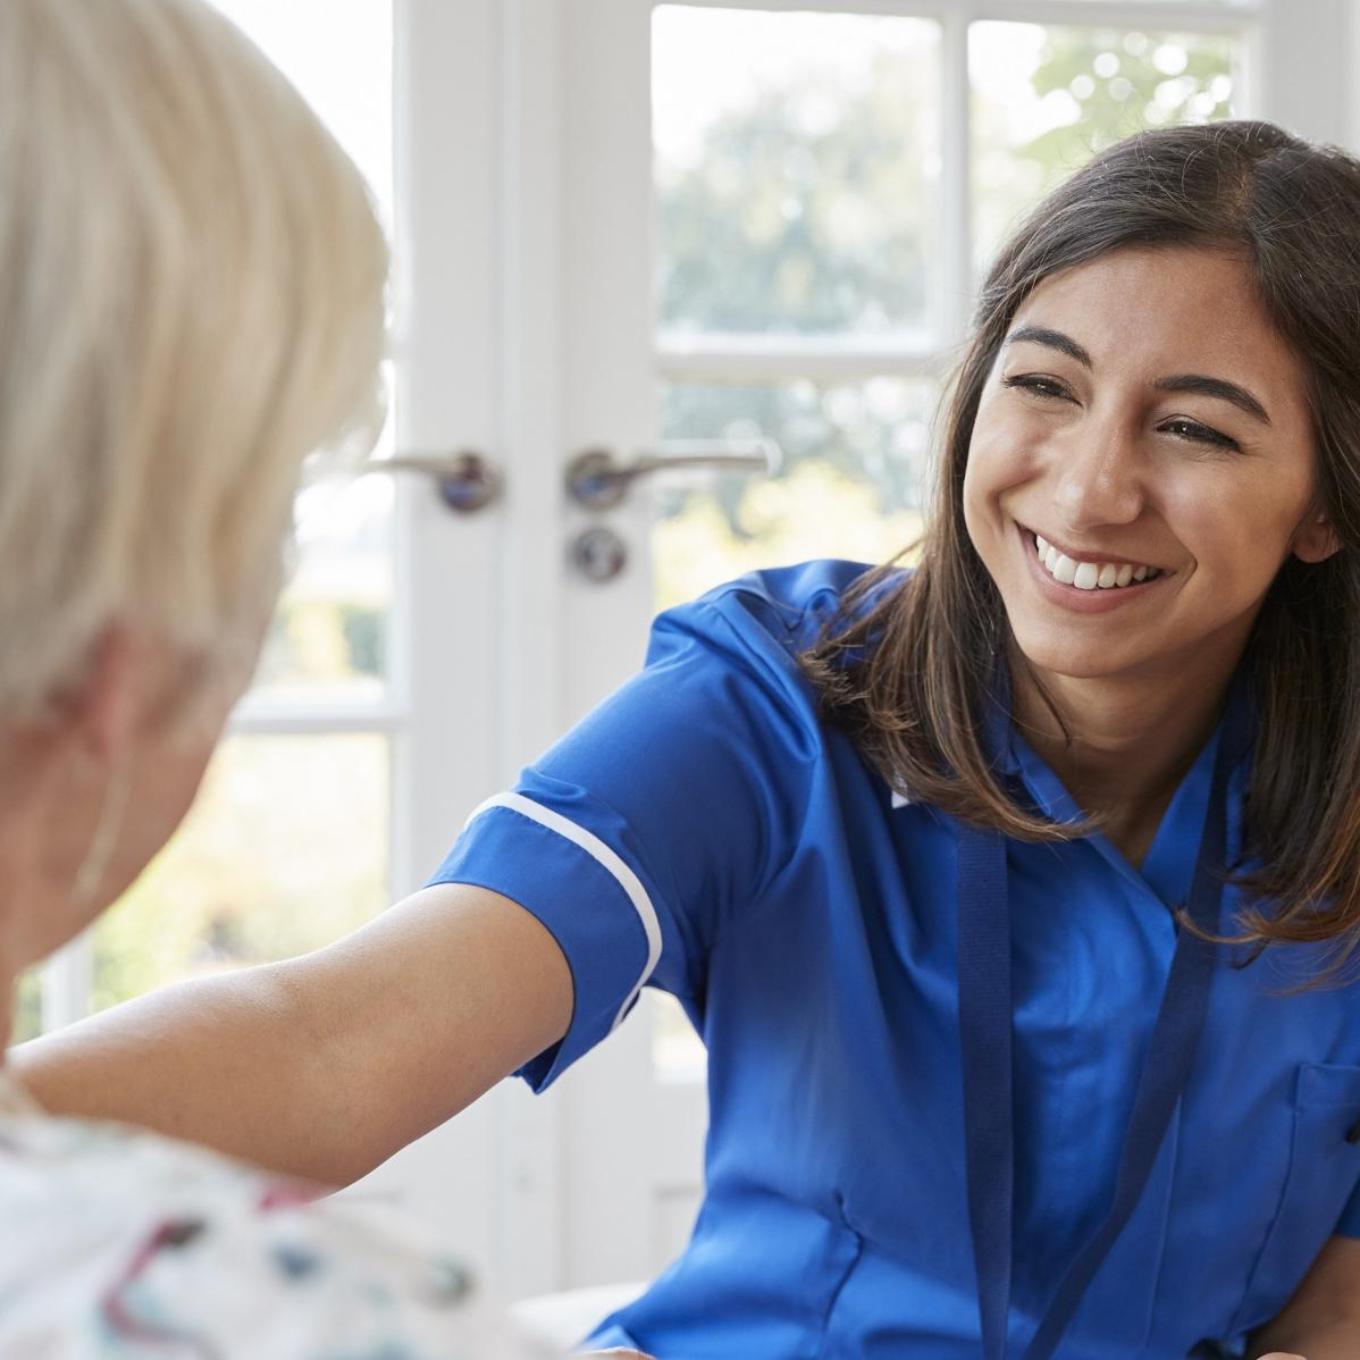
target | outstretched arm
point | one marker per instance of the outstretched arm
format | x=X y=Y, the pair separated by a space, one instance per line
x=325 y=1065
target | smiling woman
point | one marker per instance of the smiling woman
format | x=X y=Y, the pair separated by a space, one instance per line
x=1167 y=500
x=1162 y=372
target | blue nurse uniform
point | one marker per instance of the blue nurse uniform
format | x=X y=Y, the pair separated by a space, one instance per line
x=704 y=832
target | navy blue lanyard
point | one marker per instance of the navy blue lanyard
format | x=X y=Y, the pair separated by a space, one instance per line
x=985 y=1022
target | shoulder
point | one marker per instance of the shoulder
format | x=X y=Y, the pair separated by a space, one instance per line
x=788 y=602
x=132 y=1239
x=765 y=617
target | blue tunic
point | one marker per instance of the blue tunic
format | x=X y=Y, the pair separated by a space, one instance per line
x=704 y=832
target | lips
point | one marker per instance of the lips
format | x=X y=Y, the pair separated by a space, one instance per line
x=1086 y=596
x=1089 y=573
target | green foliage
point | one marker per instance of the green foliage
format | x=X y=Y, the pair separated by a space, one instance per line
x=877 y=432
x=778 y=228
x=1121 y=88
x=285 y=850
x=1092 y=87
x=364 y=628
x=815 y=511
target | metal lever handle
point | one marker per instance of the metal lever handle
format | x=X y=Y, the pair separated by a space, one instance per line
x=597 y=481
x=466 y=481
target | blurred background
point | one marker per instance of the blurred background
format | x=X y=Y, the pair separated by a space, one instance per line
x=748 y=231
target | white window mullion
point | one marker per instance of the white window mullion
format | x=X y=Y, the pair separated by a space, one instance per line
x=721 y=361
x=1203 y=15
x=1159 y=15
x=68 y=984
x=953 y=275
x=1303 y=68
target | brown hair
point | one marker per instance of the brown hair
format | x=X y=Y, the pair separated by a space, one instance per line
x=907 y=672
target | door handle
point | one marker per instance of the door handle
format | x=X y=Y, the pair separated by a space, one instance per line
x=598 y=481
x=466 y=481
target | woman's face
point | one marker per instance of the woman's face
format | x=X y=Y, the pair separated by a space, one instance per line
x=1142 y=413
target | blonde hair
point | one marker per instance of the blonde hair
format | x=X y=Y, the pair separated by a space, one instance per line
x=191 y=301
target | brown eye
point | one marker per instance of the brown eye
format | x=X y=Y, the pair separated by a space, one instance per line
x=1040 y=387
x=1200 y=434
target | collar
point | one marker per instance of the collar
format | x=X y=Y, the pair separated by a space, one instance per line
x=1017 y=762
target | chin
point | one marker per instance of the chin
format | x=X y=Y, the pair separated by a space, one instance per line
x=1076 y=662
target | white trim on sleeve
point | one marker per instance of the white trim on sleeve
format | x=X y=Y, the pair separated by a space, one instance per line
x=607 y=859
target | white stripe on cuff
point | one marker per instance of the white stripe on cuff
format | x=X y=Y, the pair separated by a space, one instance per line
x=607 y=859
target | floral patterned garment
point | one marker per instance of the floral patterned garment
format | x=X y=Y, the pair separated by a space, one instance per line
x=117 y=1242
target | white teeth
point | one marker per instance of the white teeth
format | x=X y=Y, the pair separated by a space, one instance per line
x=1089 y=575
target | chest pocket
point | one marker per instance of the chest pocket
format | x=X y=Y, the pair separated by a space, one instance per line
x=1323 y=1170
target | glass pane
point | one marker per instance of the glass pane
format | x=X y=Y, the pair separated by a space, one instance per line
x=329 y=636
x=328 y=640
x=852 y=483
x=678 y=1053
x=1046 y=97
x=285 y=850
x=797 y=158
x=27 y=1013
x=339 y=55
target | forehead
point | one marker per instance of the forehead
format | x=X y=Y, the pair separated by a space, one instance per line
x=1150 y=312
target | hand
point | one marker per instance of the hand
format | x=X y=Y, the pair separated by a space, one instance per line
x=1283 y=1355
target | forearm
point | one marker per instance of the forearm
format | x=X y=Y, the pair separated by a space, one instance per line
x=219 y=1061
x=326 y=1065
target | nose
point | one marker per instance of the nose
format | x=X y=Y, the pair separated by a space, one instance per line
x=1099 y=475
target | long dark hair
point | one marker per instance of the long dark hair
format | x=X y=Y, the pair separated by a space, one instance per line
x=906 y=673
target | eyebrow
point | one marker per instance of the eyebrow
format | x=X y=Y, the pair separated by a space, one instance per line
x=1198 y=383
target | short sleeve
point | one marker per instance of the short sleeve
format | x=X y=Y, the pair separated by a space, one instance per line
x=669 y=808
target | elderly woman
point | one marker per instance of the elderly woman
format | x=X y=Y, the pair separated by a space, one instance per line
x=193 y=291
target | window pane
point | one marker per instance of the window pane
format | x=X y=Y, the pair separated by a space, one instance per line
x=285 y=850
x=328 y=640
x=339 y=55
x=1046 y=97
x=27 y=1014
x=797 y=158
x=678 y=1054
x=852 y=483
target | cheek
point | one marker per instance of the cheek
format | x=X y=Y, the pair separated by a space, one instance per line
x=1002 y=454
x=1005 y=449
x=1240 y=539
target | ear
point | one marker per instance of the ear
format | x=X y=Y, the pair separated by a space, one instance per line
x=1315 y=540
